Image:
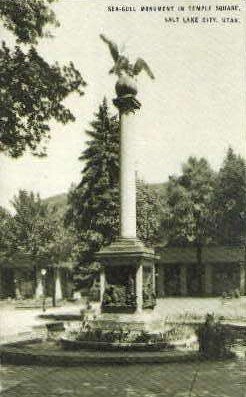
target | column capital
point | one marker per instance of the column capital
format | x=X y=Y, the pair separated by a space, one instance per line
x=127 y=103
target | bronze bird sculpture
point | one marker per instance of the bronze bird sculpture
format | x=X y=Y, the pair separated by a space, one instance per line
x=122 y=63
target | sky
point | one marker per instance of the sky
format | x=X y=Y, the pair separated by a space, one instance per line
x=195 y=106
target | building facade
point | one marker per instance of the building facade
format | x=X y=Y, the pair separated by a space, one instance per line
x=27 y=282
x=223 y=271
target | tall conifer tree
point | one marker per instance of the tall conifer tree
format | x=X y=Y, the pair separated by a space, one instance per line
x=94 y=203
x=230 y=200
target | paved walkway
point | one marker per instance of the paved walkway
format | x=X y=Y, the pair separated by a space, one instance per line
x=16 y=322
x=206 y=379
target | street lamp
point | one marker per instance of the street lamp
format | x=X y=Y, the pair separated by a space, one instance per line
x=43 y=273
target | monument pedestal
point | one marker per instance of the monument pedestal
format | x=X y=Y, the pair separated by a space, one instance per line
x=127 y=277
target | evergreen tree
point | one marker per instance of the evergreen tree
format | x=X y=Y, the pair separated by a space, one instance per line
x=230 y=200
x=31 y=90
x=94 y=203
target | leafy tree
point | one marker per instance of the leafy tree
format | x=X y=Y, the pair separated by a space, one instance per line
x=60 y=247
x=5 y=233
x=188 y=219
x=178 y=222
x=58 y=250
x=189 y=200
x=30 y=231
x=149 y=214
x=27 y=19
x=38 y=236
x=230 y=200
x=31 y=90
x=38 y=233
x=94 y=203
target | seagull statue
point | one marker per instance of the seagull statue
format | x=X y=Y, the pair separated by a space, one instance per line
x=122 y=63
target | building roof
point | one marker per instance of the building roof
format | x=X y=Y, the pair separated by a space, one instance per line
x=212 y=254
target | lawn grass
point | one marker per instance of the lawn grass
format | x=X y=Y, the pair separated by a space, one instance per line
x=180 y=308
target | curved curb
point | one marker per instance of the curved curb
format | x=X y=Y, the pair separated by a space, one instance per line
x=24 y=355
x=67 y=344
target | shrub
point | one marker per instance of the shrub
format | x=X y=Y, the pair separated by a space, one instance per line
x=116 y=295
x=214 y=339
x=94 y=293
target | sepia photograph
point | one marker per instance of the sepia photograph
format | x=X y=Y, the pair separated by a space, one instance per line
x=122 y=198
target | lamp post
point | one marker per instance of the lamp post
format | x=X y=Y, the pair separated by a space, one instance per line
x=43 y=273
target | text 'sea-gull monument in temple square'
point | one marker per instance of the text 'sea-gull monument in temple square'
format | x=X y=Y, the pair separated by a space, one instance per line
x=127 y=277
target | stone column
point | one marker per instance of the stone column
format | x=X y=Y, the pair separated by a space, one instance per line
x=58 y=287
x=183 y=280
x=208 y=285
x=1 y=284
x=102 y=284
x=127 y=103
x=39 y=291
x=127 y=178
x=139 y=288
x=154 y=280
x=17 y=281
x=242 y=278
x=160 y=281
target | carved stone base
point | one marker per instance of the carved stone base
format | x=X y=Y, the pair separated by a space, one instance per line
x=127 y=277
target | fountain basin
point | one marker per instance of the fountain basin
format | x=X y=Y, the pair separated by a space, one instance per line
x=50 y=354
x=67 y=344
